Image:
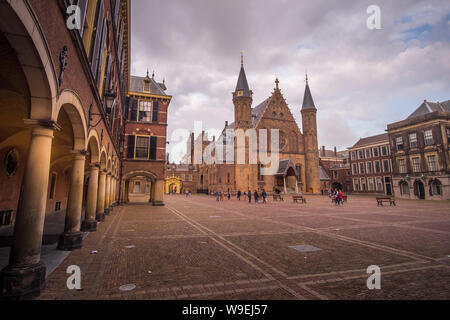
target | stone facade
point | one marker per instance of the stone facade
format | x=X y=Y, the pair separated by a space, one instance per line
x=420 y=153
x=298 y=167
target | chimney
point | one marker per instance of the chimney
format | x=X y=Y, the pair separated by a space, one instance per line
x=226 y=124
x=335 y=152
x=323 y=151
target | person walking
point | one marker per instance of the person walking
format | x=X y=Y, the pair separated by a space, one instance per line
x=249 y=196
x=229 y=194
x=256 y=196
x=264 y=195
x=217 y=196
x=239 y=195
x=221 y=196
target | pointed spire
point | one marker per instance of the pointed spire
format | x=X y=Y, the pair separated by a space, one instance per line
x=242 y=88
x=153 y=74
x=277 y=82
x=308 y=102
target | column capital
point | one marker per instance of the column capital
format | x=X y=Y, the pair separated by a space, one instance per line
x=95 y=165
x=79 y=154
x=109 y=174
x=103 y=172
x=48 y=124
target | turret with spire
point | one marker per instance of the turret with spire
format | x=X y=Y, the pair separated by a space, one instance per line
x=242 y=100
x=309 y=121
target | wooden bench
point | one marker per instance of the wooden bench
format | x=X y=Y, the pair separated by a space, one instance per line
x=382 y=200
x=298 y=199
x=277 y=197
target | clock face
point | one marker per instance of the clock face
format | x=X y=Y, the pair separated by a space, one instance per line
x=283 y=141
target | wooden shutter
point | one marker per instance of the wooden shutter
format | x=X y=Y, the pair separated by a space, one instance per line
x=130 y=146
x=134 y=109
x=153 y=141
x=155 y=111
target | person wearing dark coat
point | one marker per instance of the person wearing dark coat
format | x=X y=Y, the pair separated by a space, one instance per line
x=256 y=196
x=239 y=195
x=249 y=194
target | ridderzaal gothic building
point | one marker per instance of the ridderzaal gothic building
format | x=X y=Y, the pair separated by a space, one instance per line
x=298 y=167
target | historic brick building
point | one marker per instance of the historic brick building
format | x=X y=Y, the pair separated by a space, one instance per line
x=420 y=153
x=371 y=167
x=145 y=115
x=298 y=167
x=62 y=89
x=181 y=177
x=336 y=167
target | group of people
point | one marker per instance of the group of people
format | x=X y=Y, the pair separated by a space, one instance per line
x=337 y=197
x=247 y=195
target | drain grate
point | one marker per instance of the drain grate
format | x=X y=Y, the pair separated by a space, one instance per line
x=214 y=217
x=130 y=247
x=305 y=248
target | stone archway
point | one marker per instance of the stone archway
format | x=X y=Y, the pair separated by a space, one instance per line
x=156 y=189
x=419 y=189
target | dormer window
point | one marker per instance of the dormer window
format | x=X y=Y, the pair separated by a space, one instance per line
x=146 y=86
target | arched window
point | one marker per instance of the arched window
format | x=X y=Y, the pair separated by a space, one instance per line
x=404 y=188
x=435 y=188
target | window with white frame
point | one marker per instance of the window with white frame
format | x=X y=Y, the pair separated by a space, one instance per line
x=145 y=111
x=416 y=164
x=379 y=184
x=361 y=168
x=370 y=184
x=432 y=164
x=363 y=184
x=399 y=143
x=368 y=153
x=369 y=167
x=356 y=184
x=428 y=136
x=377 y=166
x=386 y=165
x=384 y=150
x=376 y=152
x=404 y=188
x=353 y=155
x=355 y=168
x=360 y=154
x=402 y=165
x=413 y=140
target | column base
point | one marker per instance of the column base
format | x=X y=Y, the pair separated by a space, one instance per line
x=100 y=217
x=70 y=241
x=158 y=203
x=21 y=283
x=89 y=226
x=107 y=211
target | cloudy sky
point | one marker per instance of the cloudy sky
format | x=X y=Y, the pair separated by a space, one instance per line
x=360 y=79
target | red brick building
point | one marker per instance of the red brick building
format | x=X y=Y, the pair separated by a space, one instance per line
x=145 y=138
x=337 y=168
x=371 y=165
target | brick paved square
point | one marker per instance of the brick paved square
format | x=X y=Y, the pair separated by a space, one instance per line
x=180 y=252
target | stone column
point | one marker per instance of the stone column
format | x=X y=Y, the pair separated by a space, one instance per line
x=107 y=193
x=90 y=224
x=72 y=238
x=24 y=277
x=100 y=216
x=113 y=193
x=158 y=199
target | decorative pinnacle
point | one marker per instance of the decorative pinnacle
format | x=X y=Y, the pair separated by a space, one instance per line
x=277 y=82
x=242 y=58
x=306 y=71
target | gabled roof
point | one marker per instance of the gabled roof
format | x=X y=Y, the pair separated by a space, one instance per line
x=137 y=85
x=429 y=107
x=257 y=113
x=371 y=140
x=283 y=167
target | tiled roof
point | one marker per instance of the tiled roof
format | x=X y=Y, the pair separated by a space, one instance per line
x=308 y=102
x=137 y=85
x=429 y=107
x=371 y=140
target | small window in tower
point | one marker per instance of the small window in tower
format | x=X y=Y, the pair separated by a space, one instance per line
x=240 y=93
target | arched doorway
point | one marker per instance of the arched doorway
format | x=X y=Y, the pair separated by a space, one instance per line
x=419 y=190
x=337 y=186
x=134 y=188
